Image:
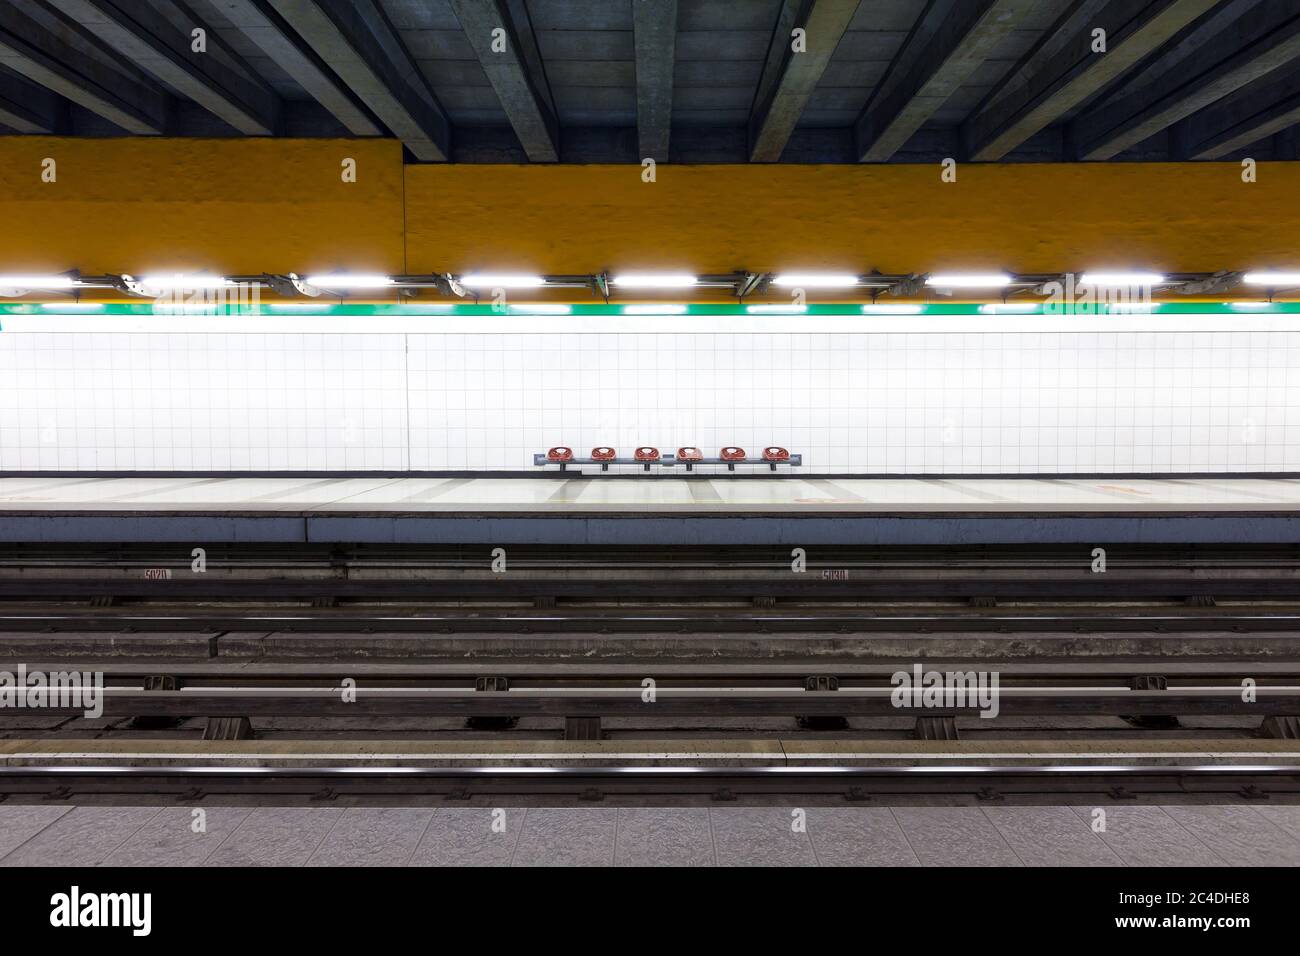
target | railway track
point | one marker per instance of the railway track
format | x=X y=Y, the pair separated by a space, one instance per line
x=701 y=701
x=618 y=590
x=560 y=647
x=586 y=573
x=232 y=695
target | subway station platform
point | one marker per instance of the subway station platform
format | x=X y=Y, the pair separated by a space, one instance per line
x=1203 y=836
x=633 y=510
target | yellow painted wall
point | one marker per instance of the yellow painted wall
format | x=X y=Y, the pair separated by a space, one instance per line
x=254 y=205
x=236 y=206
x=1024 y=218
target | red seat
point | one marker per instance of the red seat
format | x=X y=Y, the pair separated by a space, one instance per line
x=603 y=454
x=689 y=453
x=560 y=453
x=775 y=453
x=732 y=453
x=646 y=453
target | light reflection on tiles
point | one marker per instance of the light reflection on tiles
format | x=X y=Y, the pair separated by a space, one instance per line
x=657 y=494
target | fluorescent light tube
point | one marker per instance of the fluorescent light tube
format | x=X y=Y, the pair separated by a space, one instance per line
x=654 y=310
x=72 y=307
x=1121 y=278
x=540 y=308
x=1272 y=278
x=36 y=282
x=813 y=280
x=197 y=308
x=900 y=308
x=179 y=281
x=983 y=280
x=501 y=280
x=1004 y=308
x=346 y=280
x=654 y=280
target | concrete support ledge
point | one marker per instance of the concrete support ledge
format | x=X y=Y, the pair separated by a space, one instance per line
x=741 y=528
x=654 y=653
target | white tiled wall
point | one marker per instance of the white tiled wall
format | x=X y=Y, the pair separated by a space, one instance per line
x=860 y=402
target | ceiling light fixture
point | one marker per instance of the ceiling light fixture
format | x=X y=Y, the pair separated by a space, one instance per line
x=901 y=308
x=813 y=280
x=1122 y=307
x=654 y=310
x=36 y=282
x=540 y=308
x=1122 y=278
x=980 y=280
x=1272 y=278
x=178 y=282
x=1004 y=308
x=501 y=280
x=348 y=280
x=651 y=280
x=73 y=307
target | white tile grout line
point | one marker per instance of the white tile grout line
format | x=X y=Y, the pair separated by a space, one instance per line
x=247 y=816
x=1292 y=838
x=239 y=823
x=415 y=847
x=70 y=810
x=613 y=860
x=157 y=813
x=903 y=833
x=998 y=830
x=1269 y=824
x=514 y=847
x=1005 y=842
x=1208 y=849
x=1077 y=810
x=812 y=844
x=713 y=839
x=326 y=836
x=41 y=829
x=1017 y=855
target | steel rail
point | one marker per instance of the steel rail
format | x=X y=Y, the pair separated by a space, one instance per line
x=652 y=621
x=585 y=784
x=668 y=702
x=522 y=672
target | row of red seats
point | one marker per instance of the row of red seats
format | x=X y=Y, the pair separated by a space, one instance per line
x=647 y=453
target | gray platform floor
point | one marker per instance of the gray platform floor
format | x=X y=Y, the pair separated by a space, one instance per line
x=657 y=494
x=803 y=511
x=1232 y=835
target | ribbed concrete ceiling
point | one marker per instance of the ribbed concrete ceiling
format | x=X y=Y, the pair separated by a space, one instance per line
x=677 y=80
